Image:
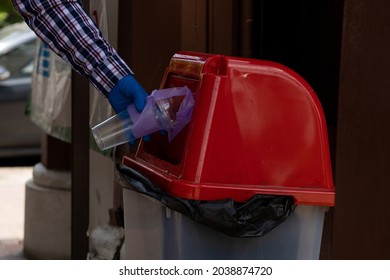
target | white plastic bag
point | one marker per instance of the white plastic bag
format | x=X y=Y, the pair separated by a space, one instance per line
x=50 y=102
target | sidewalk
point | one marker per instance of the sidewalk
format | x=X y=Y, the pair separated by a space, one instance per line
x=12 y=193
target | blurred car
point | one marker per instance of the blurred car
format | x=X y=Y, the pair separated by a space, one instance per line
x=19 y=136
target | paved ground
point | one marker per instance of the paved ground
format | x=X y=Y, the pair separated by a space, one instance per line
x=12 y=190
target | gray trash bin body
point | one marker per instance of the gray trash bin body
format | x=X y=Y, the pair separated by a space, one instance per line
x=153 y=231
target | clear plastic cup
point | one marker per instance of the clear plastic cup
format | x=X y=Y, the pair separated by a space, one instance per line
x=114 y=131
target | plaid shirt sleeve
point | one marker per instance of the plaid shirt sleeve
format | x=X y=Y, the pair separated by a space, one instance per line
x=67 y=29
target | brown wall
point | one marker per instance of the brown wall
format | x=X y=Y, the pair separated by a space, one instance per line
x=362 y=217
x=149 y=34
x=151 y=31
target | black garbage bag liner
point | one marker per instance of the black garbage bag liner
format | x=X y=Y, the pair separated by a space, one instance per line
x=253 y=218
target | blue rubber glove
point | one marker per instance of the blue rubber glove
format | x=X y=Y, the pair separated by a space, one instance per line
x=127 y=91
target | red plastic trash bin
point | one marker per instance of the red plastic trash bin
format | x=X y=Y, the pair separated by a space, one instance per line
x=257 y=128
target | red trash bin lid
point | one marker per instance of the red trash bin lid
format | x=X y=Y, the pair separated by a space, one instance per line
x=257 y=128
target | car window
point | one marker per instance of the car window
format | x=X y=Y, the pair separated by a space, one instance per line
x=18 y=61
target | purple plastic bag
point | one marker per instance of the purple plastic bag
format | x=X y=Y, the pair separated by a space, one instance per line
x=158 y=113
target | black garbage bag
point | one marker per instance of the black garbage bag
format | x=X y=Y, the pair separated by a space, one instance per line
x=253 y=218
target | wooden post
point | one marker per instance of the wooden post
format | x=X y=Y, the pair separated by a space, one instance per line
x=361 y=217
x=80 y=165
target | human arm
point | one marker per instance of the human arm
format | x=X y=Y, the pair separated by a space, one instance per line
x=68 y=30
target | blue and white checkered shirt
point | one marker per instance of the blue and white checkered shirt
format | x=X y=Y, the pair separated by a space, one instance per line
x=68 y=30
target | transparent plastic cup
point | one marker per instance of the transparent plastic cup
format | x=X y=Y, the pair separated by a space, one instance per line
x=114 y=131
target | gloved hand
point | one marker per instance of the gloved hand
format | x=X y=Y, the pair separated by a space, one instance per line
x=127 y=91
